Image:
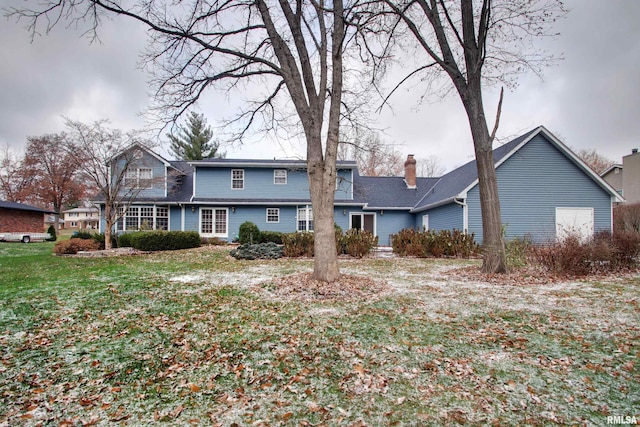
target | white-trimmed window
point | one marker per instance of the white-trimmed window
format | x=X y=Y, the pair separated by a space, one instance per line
x=73 y=224
x=237 y=179
x=213 y=222
x=143 y=218
x=280 y=176
x=305 y=218
x=273 y=215
x=138 y=178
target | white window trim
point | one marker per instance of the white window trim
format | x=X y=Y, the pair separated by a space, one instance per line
x=214 y=234
x=307 y=209
x=277 y=214
x=286 y=175
x=361 y=215
x=133 y=178
x=235 y=179
x=154 y=226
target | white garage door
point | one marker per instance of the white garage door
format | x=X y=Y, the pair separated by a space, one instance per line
x=574 y=221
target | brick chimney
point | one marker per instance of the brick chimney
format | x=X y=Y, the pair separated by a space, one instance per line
x=410 y=171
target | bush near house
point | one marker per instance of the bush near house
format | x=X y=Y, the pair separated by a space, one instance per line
x=267 y=250
x=73 y=246
x=357 y=243
x=298 y=244
x=248 y=233
x=430 y=243
x=604 y=253
x=271 y=236
x=160 y=240
x=97 y=237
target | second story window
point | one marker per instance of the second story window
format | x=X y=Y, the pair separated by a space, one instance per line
x=237 y=179
x=138 y=177
x=280 y=176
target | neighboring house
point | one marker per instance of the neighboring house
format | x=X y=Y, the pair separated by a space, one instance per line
x=613 y=176
x=545 y=191
x=18 y=217
x=631 y=176
x=81 y=218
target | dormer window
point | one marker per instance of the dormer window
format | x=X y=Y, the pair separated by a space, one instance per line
x=237 y=179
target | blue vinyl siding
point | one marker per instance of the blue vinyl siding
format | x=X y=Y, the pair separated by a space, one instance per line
x=258 y=184
x=258 y=215
x=390 y=223
x=175 y=218
x=158 y=174
x=191 y=219
x=447 y=217
x=531 y=184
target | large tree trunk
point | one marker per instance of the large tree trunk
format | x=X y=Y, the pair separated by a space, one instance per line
x=494 y=257
x=322 y=178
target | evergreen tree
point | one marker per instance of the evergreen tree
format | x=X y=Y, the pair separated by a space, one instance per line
x=193 y=140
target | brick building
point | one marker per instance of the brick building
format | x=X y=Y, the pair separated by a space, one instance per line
x=18 y=217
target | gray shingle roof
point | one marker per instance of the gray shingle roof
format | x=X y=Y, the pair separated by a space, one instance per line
x=389 y=192
x=23 y=207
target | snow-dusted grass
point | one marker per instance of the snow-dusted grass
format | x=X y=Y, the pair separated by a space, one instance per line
x=189 y=338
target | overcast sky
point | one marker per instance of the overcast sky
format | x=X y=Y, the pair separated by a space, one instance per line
x=589 y=100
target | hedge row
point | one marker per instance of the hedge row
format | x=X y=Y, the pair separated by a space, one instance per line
x=604 y=253
x=430 y=243
x=160 y=240
x=356 y=243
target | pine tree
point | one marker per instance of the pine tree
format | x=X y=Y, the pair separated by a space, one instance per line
x=193 y=140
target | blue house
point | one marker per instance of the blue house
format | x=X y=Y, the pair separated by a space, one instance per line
x=545 y=191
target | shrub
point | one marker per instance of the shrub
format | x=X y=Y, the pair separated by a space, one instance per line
x=298 y=244
x=267 y=250
x=357 y=243
x=603 y=253
x=52 y=232
x=212 y=241
x=248 y=233
x=164 y=240
x=124 y=240
x=410 y=242
x=73 y=246
x=80 y=234
x=518 y=251
x=99 y=239
x=271 y=236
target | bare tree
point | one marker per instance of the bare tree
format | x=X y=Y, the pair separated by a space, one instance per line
x=291 y=50
x=52 y=172
x=430 y=166
x=373 y=156
x=595 y=160
x=474 y=42
x=106 y=158
x=14 y=184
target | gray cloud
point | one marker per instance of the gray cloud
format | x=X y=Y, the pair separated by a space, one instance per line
x=591 y=99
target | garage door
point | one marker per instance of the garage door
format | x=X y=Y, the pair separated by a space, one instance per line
x=574 y=221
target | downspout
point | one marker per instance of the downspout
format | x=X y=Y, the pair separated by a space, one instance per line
x=465 y=214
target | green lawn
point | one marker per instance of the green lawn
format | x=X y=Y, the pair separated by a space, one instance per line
x=195 y=337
